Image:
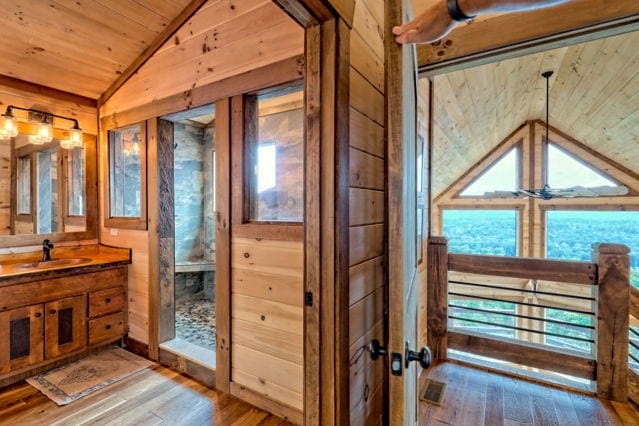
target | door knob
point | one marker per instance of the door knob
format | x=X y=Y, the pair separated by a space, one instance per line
x=376 y=350
x=423 y=356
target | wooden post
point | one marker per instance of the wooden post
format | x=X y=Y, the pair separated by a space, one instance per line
x=437 y=303
x=612 y=321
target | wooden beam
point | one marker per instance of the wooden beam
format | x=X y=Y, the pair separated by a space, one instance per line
x=523 y=354
x=271 y=75
x=169 y=30
x=485 y=38
x=529 y=268
x=314 y=12
x=613 y=320
x=47 y=91
x=437 y=300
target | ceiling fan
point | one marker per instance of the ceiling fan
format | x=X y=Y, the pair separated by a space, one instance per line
x=548 y=193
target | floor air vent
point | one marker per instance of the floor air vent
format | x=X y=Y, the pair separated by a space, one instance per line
x=433 y=392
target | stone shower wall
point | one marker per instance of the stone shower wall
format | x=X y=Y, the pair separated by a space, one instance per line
x=194 y=216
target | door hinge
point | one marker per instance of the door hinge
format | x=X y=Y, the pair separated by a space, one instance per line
x=308 y=298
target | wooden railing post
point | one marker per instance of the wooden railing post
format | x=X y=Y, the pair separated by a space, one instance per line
x=612 y=321
x=437 y=303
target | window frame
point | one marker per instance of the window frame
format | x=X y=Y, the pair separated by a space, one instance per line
x=136 y=223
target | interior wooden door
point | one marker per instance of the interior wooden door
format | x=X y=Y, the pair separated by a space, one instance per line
x=403 y=253
x=21 y=340
x=65 y=326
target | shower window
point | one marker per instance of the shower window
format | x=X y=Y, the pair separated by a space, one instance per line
x=275 y=144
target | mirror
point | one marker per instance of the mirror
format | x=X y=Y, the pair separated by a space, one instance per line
x=44 y=191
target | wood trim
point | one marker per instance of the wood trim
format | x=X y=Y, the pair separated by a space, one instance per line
x=265 y=403
x=485 y=41
x=269 y=231
x=312 y=229
x=270 y=75
x=198 y=372
x=527 y=268
x=309 y=13
x=150 y=50
x=238 y=184
x=136 y=347
x=525 y=355
x=138 y=223
x=47 y=91
x=223 y=239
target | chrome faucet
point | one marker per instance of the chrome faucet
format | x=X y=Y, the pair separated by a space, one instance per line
x=46 y=250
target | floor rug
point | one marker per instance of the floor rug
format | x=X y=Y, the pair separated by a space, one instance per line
x=65 y=384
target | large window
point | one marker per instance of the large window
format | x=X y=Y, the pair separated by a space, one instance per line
x=570 y=235
x=490 y=232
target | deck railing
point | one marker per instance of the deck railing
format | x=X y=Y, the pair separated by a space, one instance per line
x=633 y=348
x=565 y=317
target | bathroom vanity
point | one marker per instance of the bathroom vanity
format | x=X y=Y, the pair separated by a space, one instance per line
x=56 y=311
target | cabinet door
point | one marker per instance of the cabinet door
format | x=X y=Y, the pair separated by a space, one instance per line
x=66 y=328
x=21 y=337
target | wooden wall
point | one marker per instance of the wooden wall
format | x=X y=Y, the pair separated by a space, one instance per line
x=266 y=318
x=223 y=39
x=367 y=211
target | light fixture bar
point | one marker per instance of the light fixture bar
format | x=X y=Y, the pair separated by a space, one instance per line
x=45 y=135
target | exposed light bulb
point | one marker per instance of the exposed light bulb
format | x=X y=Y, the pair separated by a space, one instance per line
x=36 y=139
x=75 y=136
x=8 y=126
x=44 y=132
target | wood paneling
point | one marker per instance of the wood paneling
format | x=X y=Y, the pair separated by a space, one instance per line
x=84 y=46
x=591 y=99
x=367 y=207
x=227 y=40
x=267 y=318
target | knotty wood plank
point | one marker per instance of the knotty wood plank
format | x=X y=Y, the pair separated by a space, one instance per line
x=365 y=134
x=366 y=207
x=366 y=170
x=366 y=242
x=150 y=50
x=223 y=244
x=612 y=320
x=365 y=278
x=525 y=355
x=517 y=267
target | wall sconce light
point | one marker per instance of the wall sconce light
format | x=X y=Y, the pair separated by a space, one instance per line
x=44 y=128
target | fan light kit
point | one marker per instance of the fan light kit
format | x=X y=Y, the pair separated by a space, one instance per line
x=43 y=127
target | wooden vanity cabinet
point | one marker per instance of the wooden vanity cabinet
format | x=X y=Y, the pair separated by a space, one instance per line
x=21 y=337
x=50 y=319
x=65 y=326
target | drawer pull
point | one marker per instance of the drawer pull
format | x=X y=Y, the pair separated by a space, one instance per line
x=108 y=326
x=52 y=311
x=38 y=315
x=108 y=300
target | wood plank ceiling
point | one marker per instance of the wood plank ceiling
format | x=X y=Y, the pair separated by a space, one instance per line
x=594 y=99
x=80 y=46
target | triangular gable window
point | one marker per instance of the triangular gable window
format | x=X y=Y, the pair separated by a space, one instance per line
x=566 y=171
x=502 y=175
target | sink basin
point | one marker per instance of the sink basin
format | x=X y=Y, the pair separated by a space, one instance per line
x=55 y=263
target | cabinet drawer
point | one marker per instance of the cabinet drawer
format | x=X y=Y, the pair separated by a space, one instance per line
x=106 y=328
x=106 y=301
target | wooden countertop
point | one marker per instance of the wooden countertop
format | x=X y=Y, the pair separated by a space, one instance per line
x=101 y=257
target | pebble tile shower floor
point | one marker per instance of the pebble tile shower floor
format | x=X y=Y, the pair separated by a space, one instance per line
x=195 y=322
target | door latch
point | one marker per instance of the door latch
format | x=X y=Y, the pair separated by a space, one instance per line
x=375 y=349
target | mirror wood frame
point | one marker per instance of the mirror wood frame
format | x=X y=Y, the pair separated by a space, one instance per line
x=90 y=207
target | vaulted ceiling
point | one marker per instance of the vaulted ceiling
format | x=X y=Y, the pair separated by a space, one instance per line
x=594 y=98
x=80 y=46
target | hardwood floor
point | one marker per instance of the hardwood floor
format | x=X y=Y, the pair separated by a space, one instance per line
x=475 y=397
x=157 y=396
